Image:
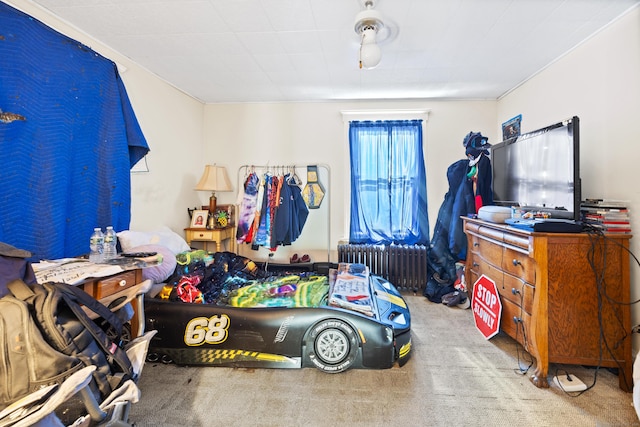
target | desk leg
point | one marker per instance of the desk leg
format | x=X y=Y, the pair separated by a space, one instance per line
x=137 y=321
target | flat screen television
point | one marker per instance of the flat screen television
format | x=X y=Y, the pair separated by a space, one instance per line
x=540 y=170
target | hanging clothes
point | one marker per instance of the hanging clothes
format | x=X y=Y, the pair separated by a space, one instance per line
x=256 y=216
x=274 y=202
x=264 y=223
x=281 y=227
x=247 y=211
x=273 y=211
x=292 y=213
x=469 y=188
x=299 y=212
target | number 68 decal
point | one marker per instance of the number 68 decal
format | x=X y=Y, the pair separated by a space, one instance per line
x=201 y=330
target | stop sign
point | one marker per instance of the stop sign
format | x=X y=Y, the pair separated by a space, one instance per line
x=486 y=306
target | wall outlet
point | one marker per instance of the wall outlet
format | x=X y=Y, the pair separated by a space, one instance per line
x=569 y=382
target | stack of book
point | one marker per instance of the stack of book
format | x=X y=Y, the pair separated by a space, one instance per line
x=610 y=216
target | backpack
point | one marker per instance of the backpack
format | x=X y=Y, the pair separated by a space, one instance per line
x=46 y=333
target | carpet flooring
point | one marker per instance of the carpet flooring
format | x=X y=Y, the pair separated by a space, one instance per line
x=454 y=378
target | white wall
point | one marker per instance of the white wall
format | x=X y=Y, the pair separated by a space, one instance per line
x=172 y=123
x=315 y=133
x=599 y=82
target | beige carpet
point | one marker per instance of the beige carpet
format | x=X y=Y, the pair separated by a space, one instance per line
x=455 y=378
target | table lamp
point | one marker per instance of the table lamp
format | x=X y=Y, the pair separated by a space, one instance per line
x=214 y=178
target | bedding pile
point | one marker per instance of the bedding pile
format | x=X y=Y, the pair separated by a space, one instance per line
x=224 y=278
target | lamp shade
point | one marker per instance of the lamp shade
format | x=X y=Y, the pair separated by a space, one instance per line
x=214 y=178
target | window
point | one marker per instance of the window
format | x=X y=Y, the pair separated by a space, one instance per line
x=388 y=183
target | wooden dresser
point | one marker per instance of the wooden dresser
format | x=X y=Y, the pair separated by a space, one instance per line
x=552 y=302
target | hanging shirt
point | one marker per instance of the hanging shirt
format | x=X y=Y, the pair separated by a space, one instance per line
x=282 y=222
x=247 y=207
x=262 y=237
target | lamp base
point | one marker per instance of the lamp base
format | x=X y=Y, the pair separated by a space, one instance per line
x=212 y=204
x=212 y=211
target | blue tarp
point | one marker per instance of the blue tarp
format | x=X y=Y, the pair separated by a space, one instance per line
x=65 y=168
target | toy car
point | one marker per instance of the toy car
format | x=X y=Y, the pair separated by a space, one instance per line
x=331 y=339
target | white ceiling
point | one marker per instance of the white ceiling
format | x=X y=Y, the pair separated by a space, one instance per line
x=307 y=50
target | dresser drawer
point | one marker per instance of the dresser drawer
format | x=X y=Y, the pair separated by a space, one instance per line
x=490 y=251
x=519 y=265
x=110 y=285
x=518 y=292
x=519 y=330
x=481 y=266
x=200 y=235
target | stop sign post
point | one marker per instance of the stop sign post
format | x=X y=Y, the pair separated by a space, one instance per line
x=486 y=306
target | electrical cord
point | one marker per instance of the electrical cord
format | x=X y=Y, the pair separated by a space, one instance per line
x=520 y=325
x=598 y=264
x=576 y=393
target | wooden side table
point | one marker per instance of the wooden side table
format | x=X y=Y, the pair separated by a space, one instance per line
x=214 y=235
x=102 y=287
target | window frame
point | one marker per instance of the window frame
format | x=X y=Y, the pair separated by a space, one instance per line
x=362 y=115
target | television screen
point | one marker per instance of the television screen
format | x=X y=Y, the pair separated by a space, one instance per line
x=539 y=170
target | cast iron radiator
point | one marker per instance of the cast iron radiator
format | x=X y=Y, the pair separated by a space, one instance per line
x=403 y=265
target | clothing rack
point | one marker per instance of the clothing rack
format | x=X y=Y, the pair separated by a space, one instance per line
x=244 y=170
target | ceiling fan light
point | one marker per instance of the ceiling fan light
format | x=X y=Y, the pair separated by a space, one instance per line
x=369 y=35
x=368 y=24
x=370 y=55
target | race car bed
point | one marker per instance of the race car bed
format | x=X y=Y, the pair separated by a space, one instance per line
x=224 y=310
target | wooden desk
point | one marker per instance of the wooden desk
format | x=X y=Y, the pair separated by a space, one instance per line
x=102 y=287
x=214 y=235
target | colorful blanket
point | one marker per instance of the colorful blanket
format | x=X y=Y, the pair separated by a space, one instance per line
x=288 y=291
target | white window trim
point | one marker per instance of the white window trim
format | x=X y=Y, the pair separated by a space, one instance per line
x=351 y=115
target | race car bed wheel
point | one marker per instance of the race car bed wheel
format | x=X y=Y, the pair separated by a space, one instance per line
x=333 y=346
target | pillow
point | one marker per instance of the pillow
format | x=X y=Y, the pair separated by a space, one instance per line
x=161 y=272
x=165 y=236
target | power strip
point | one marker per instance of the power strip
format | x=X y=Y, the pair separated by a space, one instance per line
x=568 y=382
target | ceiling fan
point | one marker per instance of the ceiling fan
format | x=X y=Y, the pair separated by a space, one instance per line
x=372 y=29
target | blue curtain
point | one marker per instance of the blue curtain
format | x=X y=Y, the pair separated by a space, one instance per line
x=66 y=167
x=388 y=183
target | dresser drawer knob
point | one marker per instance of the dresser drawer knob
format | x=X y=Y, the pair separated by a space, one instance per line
x=476 y=244
x=123 y=282
x=516 y=262
x=475 y=264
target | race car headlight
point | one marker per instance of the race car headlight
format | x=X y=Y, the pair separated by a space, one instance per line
x=398 y=318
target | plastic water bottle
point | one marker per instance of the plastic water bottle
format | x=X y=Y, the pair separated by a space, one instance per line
x=110 y=244
x=96 y=244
